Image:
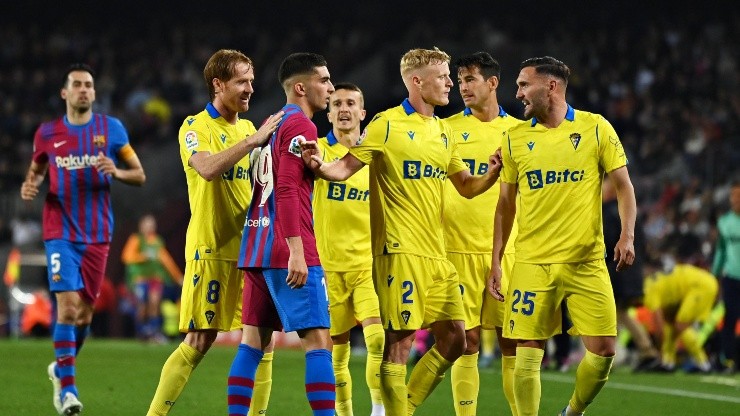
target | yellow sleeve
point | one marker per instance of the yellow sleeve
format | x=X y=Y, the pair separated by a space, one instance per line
x=193 y=138
x=509 y=172
x=611 y=152
x=372 y=140
x=456 y=163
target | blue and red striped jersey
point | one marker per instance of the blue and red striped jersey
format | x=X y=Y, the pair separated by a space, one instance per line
x=281 y=197
x=77 y=206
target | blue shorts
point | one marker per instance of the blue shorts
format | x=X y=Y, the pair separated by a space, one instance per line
x=76 y=267
x=297 y=309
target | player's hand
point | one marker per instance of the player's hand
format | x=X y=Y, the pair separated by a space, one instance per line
x=106 y=166
x=297 y=272
x=311 y=154
x=495 y=161
x=624 y=253
x=494 y=283
x=29 y=190
x=261 y=136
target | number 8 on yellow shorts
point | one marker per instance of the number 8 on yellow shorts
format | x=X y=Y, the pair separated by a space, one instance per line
x=415 y=291
x=536 y=291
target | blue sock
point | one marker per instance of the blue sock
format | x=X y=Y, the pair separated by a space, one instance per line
x=81 y=332
x=320 y=382
x=64 y=350
x=241 y=379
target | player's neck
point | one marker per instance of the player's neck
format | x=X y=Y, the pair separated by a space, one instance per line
x=486 y=112
x=555 y=114
x=79 y=118
x=348 y=138
x=422 y=107
x=230 y=116
x=303 y=104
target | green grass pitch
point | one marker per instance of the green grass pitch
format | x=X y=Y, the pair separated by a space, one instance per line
x=118 y=378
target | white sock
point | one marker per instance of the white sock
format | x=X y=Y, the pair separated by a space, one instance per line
x=378 y=410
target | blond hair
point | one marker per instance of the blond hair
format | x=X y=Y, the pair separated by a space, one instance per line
x=418 y=58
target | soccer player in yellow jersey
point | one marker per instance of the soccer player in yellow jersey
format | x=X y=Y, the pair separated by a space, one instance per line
x=411 y=153
x=679 y=299
x=553 y=168
x=214 y=148
x=468 y=225
x=341 y=212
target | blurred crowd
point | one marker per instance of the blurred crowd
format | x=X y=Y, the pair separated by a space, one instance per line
x=669 y=84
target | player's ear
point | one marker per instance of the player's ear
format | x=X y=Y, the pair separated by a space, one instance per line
x=363 y=113
x=493 y=82
x=217 y=85
x=300 y=89
x=63 y=93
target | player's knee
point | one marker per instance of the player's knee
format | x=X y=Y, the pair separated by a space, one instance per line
x=375 y=342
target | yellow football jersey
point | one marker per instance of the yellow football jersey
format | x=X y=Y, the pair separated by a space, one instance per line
x=410 y=156
x=666 y=290
x=341 y=215
x=468 y=223
x=218 y=208
x=559 y=173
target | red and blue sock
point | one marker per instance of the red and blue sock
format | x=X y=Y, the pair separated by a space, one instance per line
x=320 y=382
x=81 y=333
x=65 y=348
x=241 y=379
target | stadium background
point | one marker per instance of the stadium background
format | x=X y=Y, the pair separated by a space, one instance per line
x=667 y=78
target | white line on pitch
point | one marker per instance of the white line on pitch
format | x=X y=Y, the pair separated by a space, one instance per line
x=650 y=389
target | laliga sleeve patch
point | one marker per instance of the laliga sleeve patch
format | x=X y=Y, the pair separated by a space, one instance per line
x=191 y=140
x=295 y=147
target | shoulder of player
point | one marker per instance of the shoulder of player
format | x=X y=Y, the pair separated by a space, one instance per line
x=455 y=118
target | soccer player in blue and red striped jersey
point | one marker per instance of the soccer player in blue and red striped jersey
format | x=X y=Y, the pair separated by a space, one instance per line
x=284 y=285
x=80 y=151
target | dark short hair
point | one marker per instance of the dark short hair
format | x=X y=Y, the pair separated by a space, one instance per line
x=485 y=63
x=301 y=63
x=548 y=65
x=78 y=66
x=347 y=86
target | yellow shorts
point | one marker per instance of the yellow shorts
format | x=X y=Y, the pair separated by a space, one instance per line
x=352 y=298
x=536 y=291
x=415 y=291
x=492 y=315
x=698 y=303
x=211 y=296
x=473 y=270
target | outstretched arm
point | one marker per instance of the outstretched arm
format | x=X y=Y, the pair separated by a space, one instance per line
x=471 y=186
x=211 y=166
x=339 y=170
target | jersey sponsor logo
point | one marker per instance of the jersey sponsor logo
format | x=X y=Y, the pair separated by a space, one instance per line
x=465 y=136
x=575 y=138
x=223 y=138
x=342 y=192
x=257 y=222
x=191 y=140
x=530 y=145
x=390 y=280
x=411 y=134
x=295 y=147
x=476 y=168
x=238 y=173
x=99 y=140
x=537 y=180
x=414 y=169
x=74 y=162
x=444 y=140
x=196 y=278
x=191 y=120
x=57 y=144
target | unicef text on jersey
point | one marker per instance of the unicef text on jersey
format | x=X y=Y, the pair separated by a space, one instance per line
x=413 y=169
x=534 y=177
x=262 y=222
